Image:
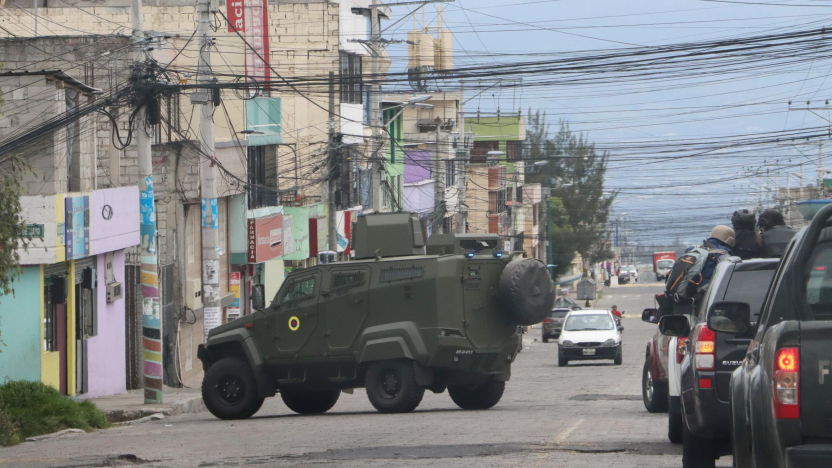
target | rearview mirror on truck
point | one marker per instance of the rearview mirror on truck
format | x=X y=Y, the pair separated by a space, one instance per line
x=649 y=315
x=674 y=325
x=730 y=317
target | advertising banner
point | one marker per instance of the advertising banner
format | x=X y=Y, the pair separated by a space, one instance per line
x=77 y=225
x=256 y=23
x=235 y=12
x=265 y=238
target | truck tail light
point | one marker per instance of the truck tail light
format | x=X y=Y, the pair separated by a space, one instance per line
x=705 y=358
x=680 y=349
x=787 y=384
x=547 y=320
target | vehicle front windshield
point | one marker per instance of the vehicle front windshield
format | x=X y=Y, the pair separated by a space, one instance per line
x=589 y=322
x=665 y=263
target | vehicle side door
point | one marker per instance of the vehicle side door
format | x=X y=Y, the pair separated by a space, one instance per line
x=345 y=304
x=296 y=314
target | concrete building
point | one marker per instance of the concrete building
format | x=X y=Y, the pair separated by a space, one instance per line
x=65 y=322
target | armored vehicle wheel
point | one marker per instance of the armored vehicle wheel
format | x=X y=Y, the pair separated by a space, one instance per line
x=475 y=397
x=229 y=390
x=526 y=291
x=391 y=386
x=309 y=401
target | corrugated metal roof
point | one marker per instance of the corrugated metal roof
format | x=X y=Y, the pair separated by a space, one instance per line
x=57 y=75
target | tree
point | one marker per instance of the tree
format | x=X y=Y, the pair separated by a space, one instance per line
x=578 y=207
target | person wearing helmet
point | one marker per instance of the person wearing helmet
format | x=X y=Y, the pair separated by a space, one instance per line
x=775 y=234
x=719 y=244
x=616 y=312
x=747 y=244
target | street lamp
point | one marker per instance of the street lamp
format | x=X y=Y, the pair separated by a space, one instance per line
x=414 y=103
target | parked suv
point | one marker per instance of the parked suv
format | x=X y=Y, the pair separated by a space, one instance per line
x=553 y=325
x=710 y=357
x=780 y=395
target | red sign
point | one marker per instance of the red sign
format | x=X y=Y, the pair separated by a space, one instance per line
x=257 y=36
x=235 y=12
x=265 y=238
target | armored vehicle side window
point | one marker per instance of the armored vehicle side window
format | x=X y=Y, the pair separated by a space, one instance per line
x=342 y=281
x=299 y=289
x=819 y=281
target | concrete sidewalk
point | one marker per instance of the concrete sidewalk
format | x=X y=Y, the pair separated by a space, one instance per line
x=129 y=406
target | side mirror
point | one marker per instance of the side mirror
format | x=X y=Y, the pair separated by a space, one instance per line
x=258 y=297
x=650 y=315
x=730 y=317
x=674 y=325
x=620 y=328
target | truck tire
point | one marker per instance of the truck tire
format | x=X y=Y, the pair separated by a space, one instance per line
x=477 y=397
x=652 y=392
x=697 y=452
x=391 y=386
x=674 y=427
x=229 y=390
x=526 y=292
x=303 y=401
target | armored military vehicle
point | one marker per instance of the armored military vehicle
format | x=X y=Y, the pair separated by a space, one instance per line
x=407 y=315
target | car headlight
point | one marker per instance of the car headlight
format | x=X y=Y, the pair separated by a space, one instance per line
x=567 y=343
x=609 y=342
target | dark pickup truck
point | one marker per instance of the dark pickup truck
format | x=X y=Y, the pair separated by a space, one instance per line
x=710 y=358
x=781 y=395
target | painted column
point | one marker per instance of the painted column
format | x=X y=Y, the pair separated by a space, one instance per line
x=151 y=313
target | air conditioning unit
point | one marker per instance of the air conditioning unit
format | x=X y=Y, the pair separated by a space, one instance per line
x=115 y=291
x=193 y=294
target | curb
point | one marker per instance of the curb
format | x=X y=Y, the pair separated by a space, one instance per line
x=193 y=404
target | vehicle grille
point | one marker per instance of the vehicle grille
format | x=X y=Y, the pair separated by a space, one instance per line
x=450 y=332
x=589 y=344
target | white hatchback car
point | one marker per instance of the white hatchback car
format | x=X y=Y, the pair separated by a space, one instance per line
x=589 y=335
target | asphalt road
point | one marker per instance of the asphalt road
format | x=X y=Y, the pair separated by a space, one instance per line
x=588 y=414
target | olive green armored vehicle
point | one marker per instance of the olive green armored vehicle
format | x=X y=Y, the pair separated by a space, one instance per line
x=405 y=316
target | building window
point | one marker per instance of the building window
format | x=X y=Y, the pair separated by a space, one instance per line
x=169 y=126
x=501 y=201
x=535 y=215
x=450 y=175
x=519 y=194
x=256 y=177
x=351 y=82
x=514 y=150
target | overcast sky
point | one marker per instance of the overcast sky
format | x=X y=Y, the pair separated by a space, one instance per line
x=484 y=29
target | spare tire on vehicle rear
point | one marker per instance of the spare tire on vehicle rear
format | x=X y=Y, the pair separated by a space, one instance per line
x=527 y=292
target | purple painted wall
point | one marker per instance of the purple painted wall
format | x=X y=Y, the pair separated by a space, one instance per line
x=416 y=166
x=114 y=219
x=106 y=351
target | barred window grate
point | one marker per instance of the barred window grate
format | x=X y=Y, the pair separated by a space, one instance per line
x=299 y=290
x=345 y=279
x=400 y=274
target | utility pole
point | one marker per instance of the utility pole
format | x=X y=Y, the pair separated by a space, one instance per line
x=438 y=185
x=151 y=312
x=210 y=223
x=514 y=204
x=331 y=152
x=375 y=106
x=462 y=166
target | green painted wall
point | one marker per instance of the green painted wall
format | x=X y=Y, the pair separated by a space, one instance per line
x=508 y=128
x=394 y=153
x=20 y=342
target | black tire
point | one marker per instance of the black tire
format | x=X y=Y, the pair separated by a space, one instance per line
x=304 y=401
x=477 y=397
x=653 y=393
x=674 y=427
x=545 y=339
x=562 y=361
x=229 y=390
x=526 y=291
x=619 y=358
x=697 y=452
x=391 y=386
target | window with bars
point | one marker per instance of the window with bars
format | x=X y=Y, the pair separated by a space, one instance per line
x=256 y=177
x=342 y=281
x=514 y=150
x=298 y=290
x=168 y=129
x=399 y=274
x=450 y=174
x=351 y=81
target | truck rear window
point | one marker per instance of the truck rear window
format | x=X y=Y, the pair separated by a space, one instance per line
x=819 y=284
x=749 y=286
